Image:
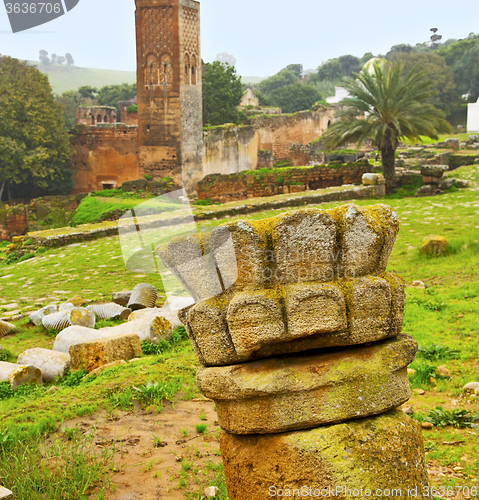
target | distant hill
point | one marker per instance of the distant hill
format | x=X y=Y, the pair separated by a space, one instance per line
x=252 y=80
x=63 y=78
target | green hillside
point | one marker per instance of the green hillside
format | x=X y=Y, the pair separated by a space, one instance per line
x=63 y=78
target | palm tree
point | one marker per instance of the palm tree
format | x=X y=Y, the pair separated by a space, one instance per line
x=384 y=106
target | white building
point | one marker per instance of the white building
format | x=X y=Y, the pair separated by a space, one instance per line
x=473 y=117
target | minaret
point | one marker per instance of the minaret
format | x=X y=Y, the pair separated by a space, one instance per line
x=170 y=134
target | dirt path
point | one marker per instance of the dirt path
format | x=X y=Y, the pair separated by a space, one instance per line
x=180 y=465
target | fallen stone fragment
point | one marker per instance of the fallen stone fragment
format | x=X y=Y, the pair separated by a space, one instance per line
x=443 y=371
x=211 y=492
x=418 y=284
x=143 y=295
x=144 y=313
x=434 y=170
x=369 y=179
x=109 y=311
x=304 y=391
x=76 y=335
x=121 y=298
x=76 y=300
x=51 y=363
x=151 y=328
x=37 y=316
x=93 y=354
x=384 y=453
x=6 y=494
x=69 y=317
x=6 y=328
x=426 y=425
x=65 y=306
x=434 y=245
x=471 y=386
x=18 y=375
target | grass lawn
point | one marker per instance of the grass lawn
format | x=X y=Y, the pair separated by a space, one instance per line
x=443 y=318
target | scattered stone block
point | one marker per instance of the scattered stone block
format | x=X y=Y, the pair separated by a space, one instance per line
x=121 y=298
x=434 y=245
x=418 y=284
x=304 y=391
x=462 y=183
x=471 y=386
x=96 y=353
x=370 y=179
x=6 y=494
x=18 y=375
x=434 y=170
x=76 y=335
x=443 y=371
x=211 y=492
x=143 y=295
x=37 y=316
x=304 y=242
x=6 y=328
x=452 y=143
x=151 y=328
x=51 y=363
x=78 y=316
x=383 y=453
x=76 y=300
x=447 y=183
x=109 y=311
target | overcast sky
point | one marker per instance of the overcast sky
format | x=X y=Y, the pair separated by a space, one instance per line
x=263 y=36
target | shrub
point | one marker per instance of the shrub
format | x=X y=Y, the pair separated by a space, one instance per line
x=440 y=417
x=72 y=379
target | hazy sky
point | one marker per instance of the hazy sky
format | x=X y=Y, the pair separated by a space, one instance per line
x=263 y=36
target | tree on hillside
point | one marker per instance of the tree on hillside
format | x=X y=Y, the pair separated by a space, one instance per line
x=297 y=69
x=70 y=101
x=281 y=79
x=385 y=105
x=466 y=72
x=44 y=59
x=69 y=59
x=435 y=69
x=330 y=70
x=297 y=97
x=34 y=148
x=222 y=92
x=88 y=92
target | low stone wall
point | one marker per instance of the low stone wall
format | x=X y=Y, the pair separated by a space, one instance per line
x=258 y=183
x=90 y=232
x=13 y=222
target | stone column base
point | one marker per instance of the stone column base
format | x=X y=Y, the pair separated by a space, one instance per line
x=377 y=458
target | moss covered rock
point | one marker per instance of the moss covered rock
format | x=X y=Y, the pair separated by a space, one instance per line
x=434 y=245
x=304 y=391
x=379 y=454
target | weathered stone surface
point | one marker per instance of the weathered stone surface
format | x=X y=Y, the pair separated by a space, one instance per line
x=253 y=324
x=37 y=316
x=304 y=242
x=313 y=309
x=51 y=363
x=76 y=300
x=93 y=354
x=434 y=170
x=69 y=317
x=255 y=318
x=6 y=494
x=6 y=328
x=76 y=335
x=109 y=310
x=244 y=261
x=121 y=298
x=304 y=391
x=142 y=296
x=434 y=245
x=369 y=312
x=18 y=375
x=183 y=256
x=366 y=238
x=462 y=183
x=471 y=386
x=369 y=179
x=447 y=183
x=151 y=328
x=452 y=143
x=381 y=453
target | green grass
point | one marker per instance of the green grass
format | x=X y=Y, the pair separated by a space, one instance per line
x=442 y=318
x=441 y=138
x=63 y=78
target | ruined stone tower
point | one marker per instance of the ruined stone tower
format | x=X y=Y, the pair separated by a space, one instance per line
x=170 y=137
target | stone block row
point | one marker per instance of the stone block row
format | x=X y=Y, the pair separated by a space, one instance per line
x=297 y=246
x=237 y=326
x=310 y=389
